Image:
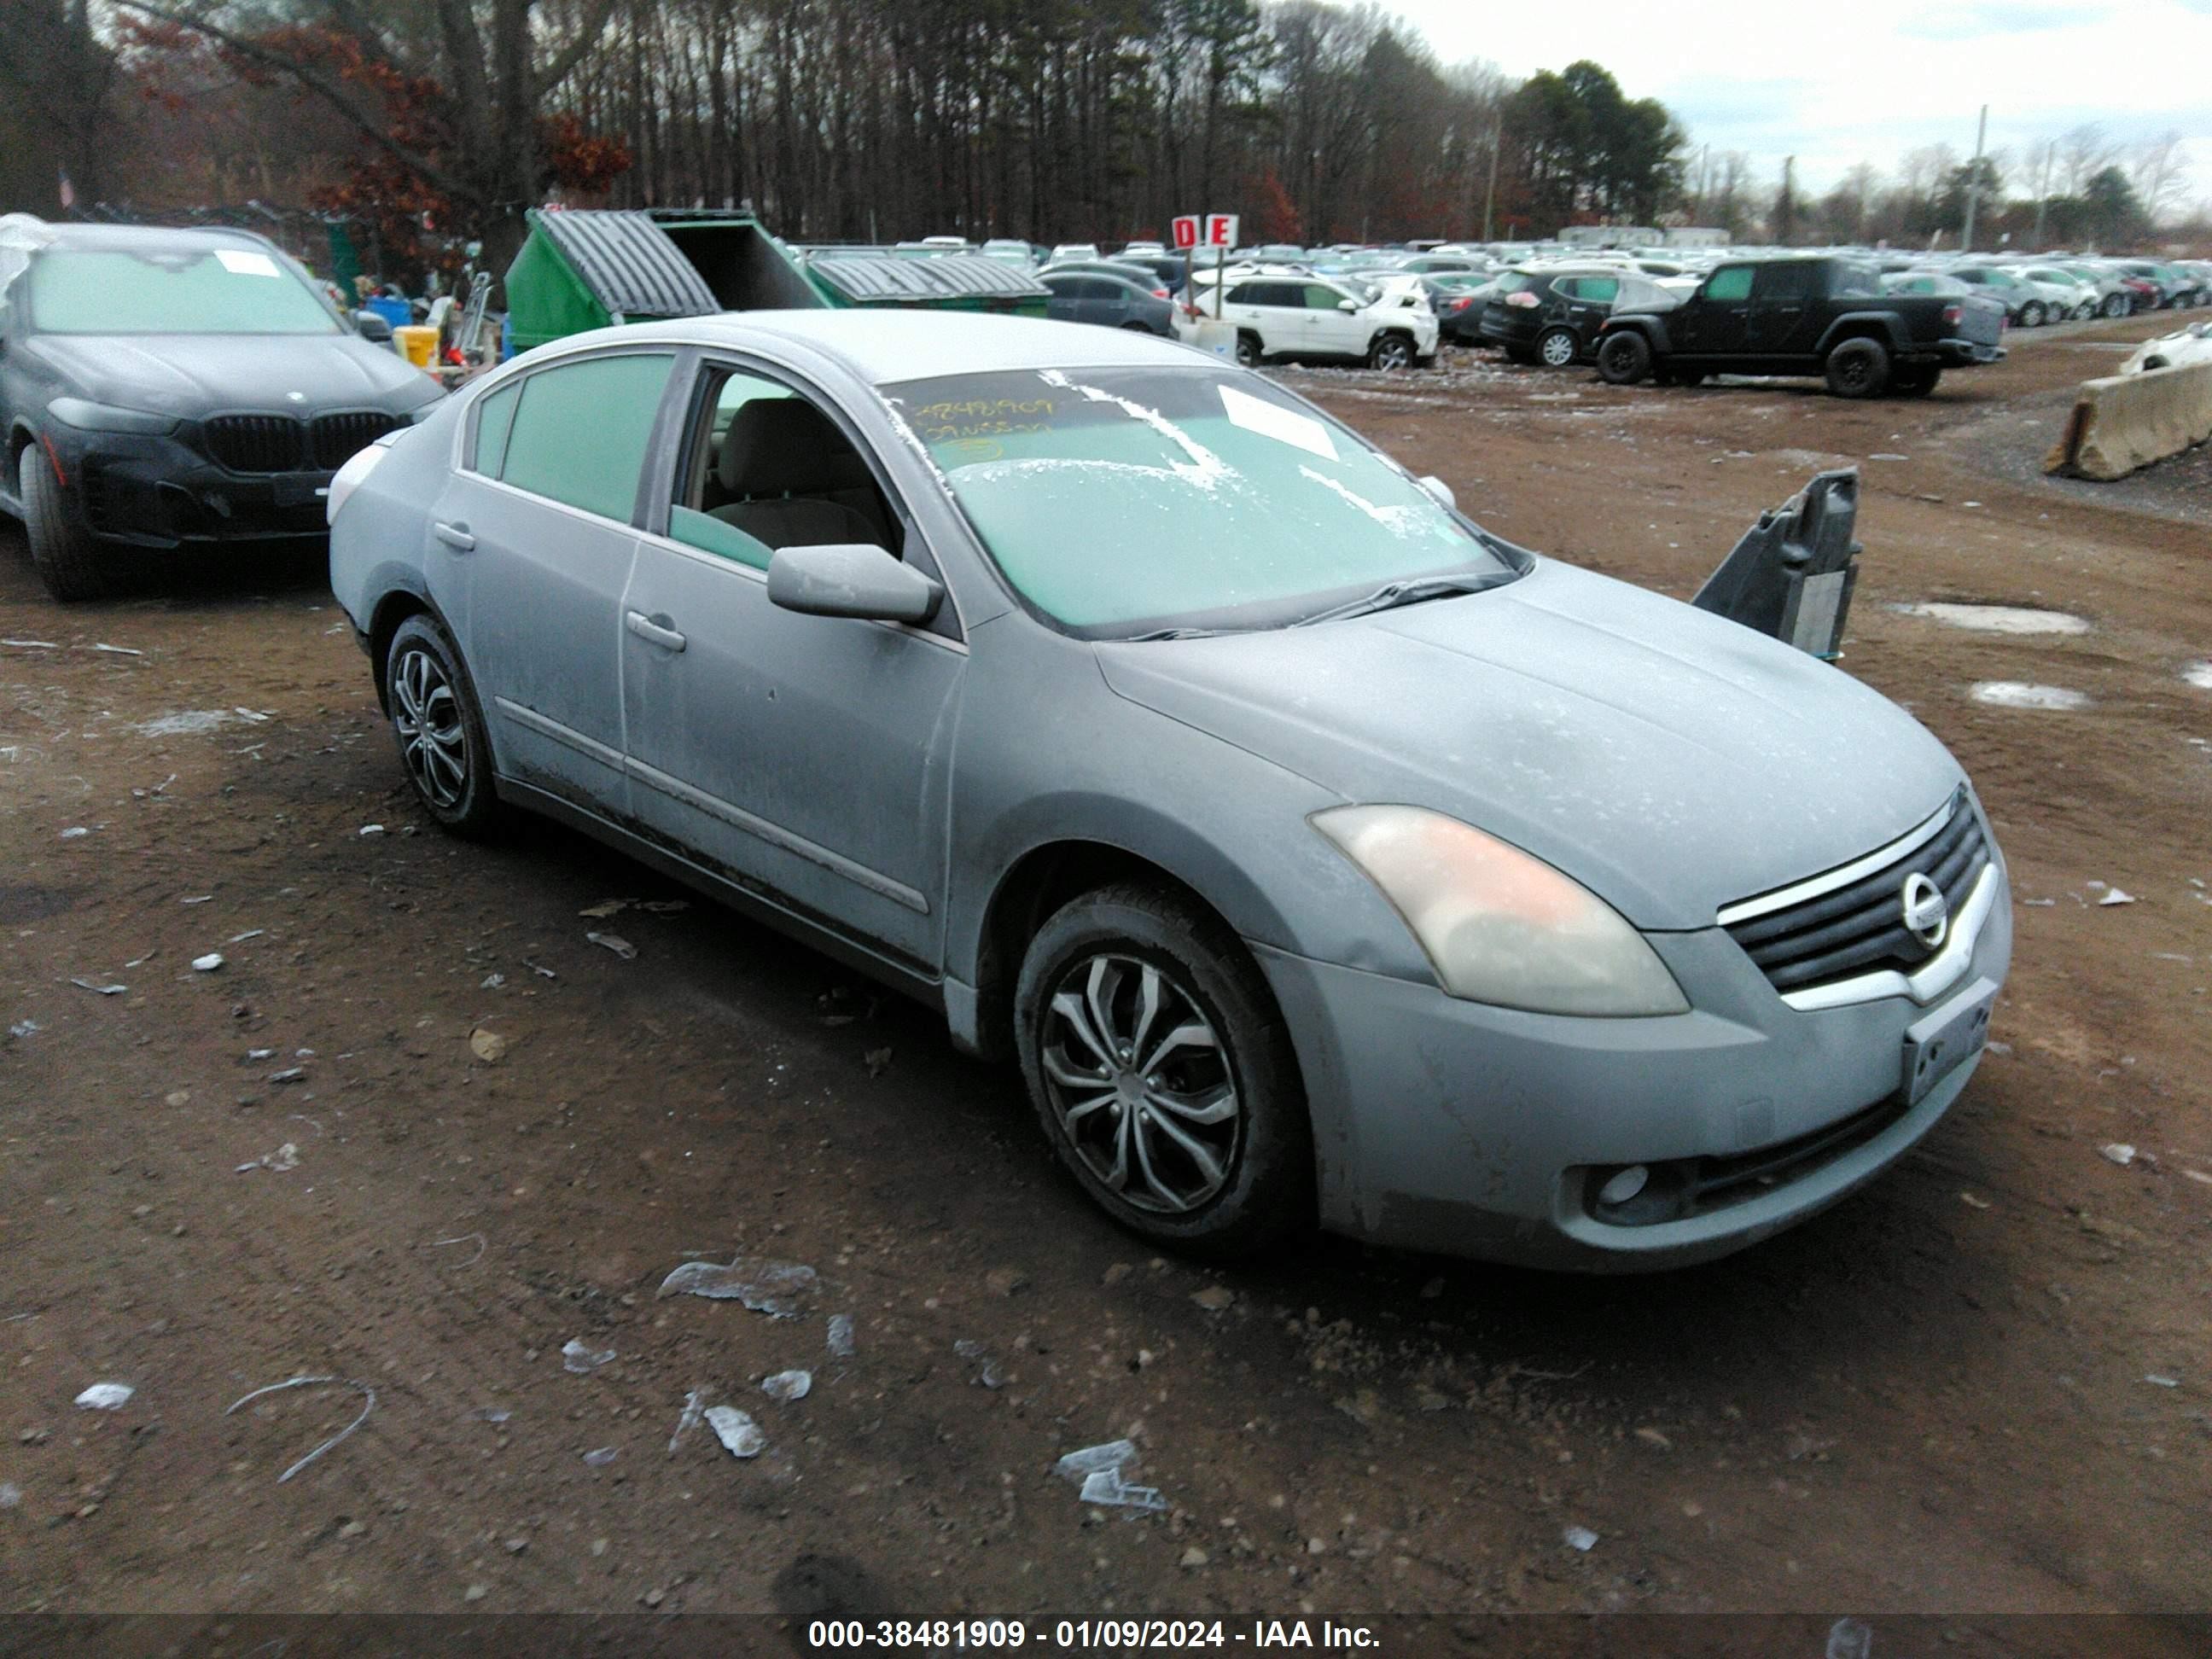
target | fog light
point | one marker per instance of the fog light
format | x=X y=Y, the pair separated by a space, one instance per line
x=1624 y=1186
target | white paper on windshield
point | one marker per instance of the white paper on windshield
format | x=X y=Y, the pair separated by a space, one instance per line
x=245 y=262
x=1274 y=421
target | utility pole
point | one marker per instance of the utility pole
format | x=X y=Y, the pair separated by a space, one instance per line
x=1490 y=202
x=1974 y=184
x=2043 y=201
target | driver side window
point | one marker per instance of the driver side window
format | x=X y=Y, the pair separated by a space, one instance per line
x=765 y=468
x=1729 y=283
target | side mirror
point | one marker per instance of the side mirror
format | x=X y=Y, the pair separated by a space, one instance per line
x=372 y=327
x=1347 y=305
x=1438 y=488
x=851 y=578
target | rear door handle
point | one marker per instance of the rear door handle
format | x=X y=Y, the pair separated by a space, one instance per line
x=651 y=631
x=455 y=536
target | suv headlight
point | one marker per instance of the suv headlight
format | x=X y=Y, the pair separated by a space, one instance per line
x=1498 y=926
x=105 y=417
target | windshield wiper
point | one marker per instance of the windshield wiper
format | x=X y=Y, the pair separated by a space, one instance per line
x=1391 y=595
x=1176 y=634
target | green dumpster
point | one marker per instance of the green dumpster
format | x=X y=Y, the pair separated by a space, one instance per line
x=871 y=280
x=589 y=268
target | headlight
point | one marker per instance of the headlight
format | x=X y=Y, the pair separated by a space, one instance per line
x=103 y=417
x=1498 y=926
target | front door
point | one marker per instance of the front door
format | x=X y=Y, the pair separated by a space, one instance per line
x=1716 y=323
x=804 y=757
x=1333 y=330
x=530 y=554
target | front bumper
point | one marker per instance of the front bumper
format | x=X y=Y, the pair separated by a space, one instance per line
x=156 y=493
x=1455 y=1126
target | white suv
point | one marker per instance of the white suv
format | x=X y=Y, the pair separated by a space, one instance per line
x=1282 y=315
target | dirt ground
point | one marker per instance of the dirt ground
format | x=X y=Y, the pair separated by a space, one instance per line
x=1979 y=1387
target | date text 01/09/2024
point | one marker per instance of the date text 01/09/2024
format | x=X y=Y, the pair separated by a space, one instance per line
x=959 y=1634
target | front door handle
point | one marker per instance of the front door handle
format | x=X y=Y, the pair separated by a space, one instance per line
x=653 y=631
x=455 y=536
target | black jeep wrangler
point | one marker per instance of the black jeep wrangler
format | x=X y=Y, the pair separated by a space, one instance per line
x=1799 y=316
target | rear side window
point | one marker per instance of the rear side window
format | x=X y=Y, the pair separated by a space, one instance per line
x=1788 y=281
x=1729 y=283
x=580 y=432
x=1603 y=290
x=494 y=415
x=1856 y=282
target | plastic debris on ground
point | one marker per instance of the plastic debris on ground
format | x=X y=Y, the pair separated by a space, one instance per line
x=106 y=1397
x=2156 y=1380
x=487 y=1045
x=208 y=963
x=605 y=907
x=616 y=943
x=778 y=1288
x=688 y=1417
x=583 y=1361
x=2013 y=694
x=739 y=1434
x=1098 y=1472
x=289 y=1075
x=987 y=1369
x=368 y=1405
x=492 y=982
x=104 y=990
x=367 y=830
x=841 y=1331
x=282 y=1160
x=76 y=832
x=1849 y=1638
x=1580 y=1538
x=788 y=1386
x=23 y=1028
x=2118 y=1151
x=2116 y=896
x=10 y=1494
x=601 y=1458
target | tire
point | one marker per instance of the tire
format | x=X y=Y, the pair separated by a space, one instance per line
x=2085 y=311
x=2031 y=314
x=1248 y=349
x=1251 y=1183
x=1623 y=359
x=1390 y=352
x=440 y=728
x=2149 y=363
x=1915 y=380
x=2116 y=305
x=1859 y=367
x=1557 y=348
x=62 y=551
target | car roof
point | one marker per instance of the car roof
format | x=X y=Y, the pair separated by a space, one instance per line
x=884 y=347
x=129 y=238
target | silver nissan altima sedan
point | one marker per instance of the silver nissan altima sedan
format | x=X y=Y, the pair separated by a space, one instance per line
x=1318 y=856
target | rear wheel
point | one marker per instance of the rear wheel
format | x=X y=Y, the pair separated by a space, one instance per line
x=2031 y=314
x=63 y=551
x=1390 y=351
x=1623 y=359
x=1557 y=348
x=1162 y=1072
x=1248 y=348
x=2116 y=305
x=1858 y=368
x=439 y=728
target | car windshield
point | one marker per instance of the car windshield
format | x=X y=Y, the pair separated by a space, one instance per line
x=180 y=291
x=1121 y=502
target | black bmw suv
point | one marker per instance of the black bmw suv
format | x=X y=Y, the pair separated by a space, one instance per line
x=173 y=391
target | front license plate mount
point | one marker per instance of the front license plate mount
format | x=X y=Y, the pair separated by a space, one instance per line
x=1945 y=1040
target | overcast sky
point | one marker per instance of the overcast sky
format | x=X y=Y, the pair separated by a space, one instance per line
x=1867 y=79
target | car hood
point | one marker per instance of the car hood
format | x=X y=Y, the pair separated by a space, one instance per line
x=188 y=375
x=1670 y=760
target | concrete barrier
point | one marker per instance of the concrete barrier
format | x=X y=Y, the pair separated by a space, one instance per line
x=2129 y=421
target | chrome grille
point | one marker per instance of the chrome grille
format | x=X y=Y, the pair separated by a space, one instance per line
x=255 y=443
x=335 y=438
x=1858 y=926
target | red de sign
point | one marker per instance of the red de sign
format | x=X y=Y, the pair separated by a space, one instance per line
x=1185 y=229
x=1221 y=230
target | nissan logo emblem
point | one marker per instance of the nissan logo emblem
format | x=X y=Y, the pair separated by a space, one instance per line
x=1927 y=912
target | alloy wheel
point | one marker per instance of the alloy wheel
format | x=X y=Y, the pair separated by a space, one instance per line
x=1140 y=1084
x=1392 y=352
x=427 y=714
x=1557 y=349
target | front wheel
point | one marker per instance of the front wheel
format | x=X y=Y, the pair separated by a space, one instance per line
x=2031 y=314
x=1390 y=351
x=63 y=551
x=1162 y=1072
x=1858 y=368
x=2116 y=305
x=1623 y=359
x=439 y=729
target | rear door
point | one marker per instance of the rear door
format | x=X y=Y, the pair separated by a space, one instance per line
x=1066 y=304
x=1590 y=302
x=531 y=542
x=1784 y=322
